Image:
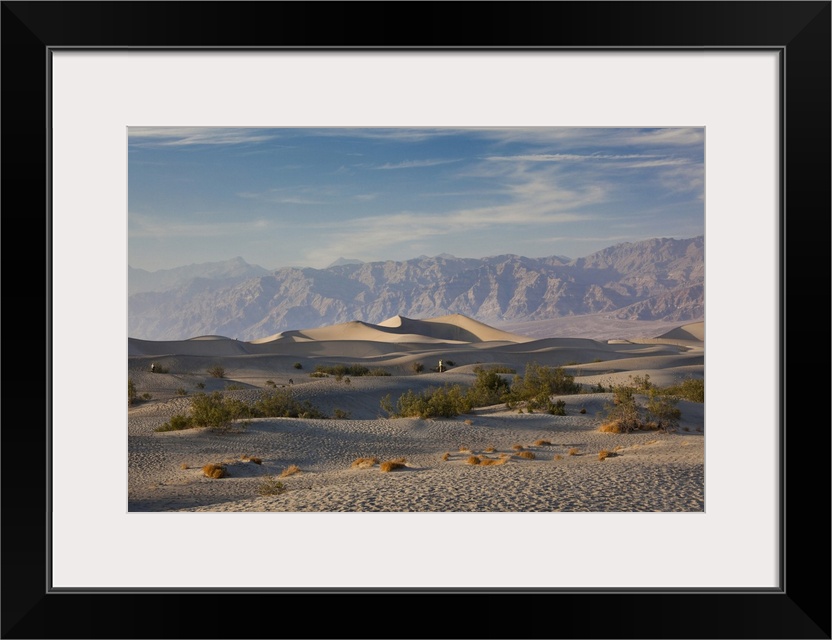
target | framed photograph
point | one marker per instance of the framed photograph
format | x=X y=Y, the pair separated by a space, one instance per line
x=83 y=80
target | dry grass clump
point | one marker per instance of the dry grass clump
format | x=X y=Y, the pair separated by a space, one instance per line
x=505 y=455
x=391 y=465
x=473 y=460
x=364 y=463
x=249 y=458
x=489 y=450
x=184 y=465
x=603 y=454
x=558 y=456
x=573 y=451
x=583 y=410
x=464 y=449
x=612 y=427
x=291 y=470
x=214 y=470
x=518 y=447
x=489 y=462
x=528 y=455
x=445 y=456
x=469 y=422
x=542 y=443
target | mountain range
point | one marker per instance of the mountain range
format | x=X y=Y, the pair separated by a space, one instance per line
x=655 y=279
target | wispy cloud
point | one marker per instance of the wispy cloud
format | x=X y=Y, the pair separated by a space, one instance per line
x=415 y=164
x=567 y=157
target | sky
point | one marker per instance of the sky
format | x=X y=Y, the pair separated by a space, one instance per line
x=304 y=197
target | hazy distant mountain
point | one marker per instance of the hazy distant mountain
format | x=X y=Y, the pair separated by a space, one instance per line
x=342 y=261
x=658 y=279
x=235 y=270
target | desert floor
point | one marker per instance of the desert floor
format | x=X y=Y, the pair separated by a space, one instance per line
x=648 y=471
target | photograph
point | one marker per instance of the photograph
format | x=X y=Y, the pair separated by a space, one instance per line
x=496 y=319
x=415 y=311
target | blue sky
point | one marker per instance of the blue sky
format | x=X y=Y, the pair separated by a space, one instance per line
x=305 y=197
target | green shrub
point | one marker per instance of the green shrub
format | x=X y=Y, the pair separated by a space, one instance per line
x=537 y=384
x=181 y=391
x=496 y=368
x=177 y=422
x=298 y=365
x=147 y=396
x=131 y=392
x=445 y=402
x=663 y=410
x=200 y=385
x=271 y=486
x=234 y=387
x=271 y=383
x=340 y=414
x=489 y=387
x=417 y=367
x=216 y=371
x=692 y=389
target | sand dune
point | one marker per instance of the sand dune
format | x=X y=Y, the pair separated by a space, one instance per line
x=651 y=471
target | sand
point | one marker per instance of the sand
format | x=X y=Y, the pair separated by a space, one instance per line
x=647 y=471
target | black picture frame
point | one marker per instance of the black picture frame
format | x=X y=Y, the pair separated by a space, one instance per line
x=799 y=31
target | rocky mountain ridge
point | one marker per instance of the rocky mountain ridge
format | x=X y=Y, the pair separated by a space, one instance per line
x=656 y=279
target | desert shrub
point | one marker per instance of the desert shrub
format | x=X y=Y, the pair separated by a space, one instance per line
x=181 y=391
x=298 y=365
x=254 y=459
x=558 y=457
x=215 y=470
x=528 y=455
x=542 y=443
x=489 y=449
x=583 y=410
x=216 y=371
x=184 y=465
x=131 y=392
x=488 y=462
x=391 y=465
x=200 y=385
x=157 y=368
x=279 y=403
x=446 y=402
x=340 y=414
x=291 y=470
x=573 y=451
x=446 y=456
x=344 y=370
x=692 y=389
x=625 y=415
x=177 y=422
x=534 y=388
x=270 y=486
x=318 y=374
x=518 y=447
x=642 y=384
x=556 y=408
x=472 y=460
x=603 y=454
x=489 y=388
x=146 y=396
x=234 y=387
x=271 y=383
x=364 y=463
x=378 y=372
x=217 y=412
x=417 y=367
x=663 y=410
x=496 y=368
